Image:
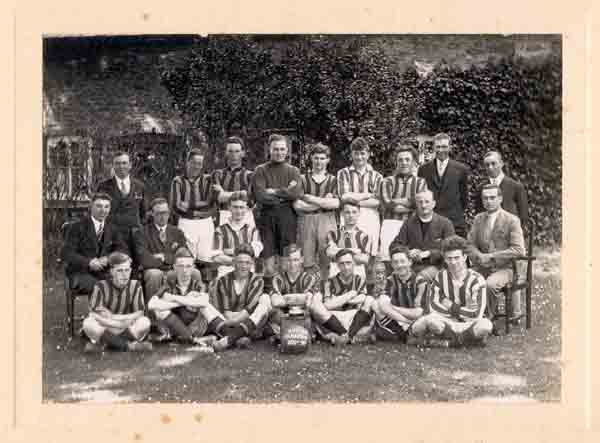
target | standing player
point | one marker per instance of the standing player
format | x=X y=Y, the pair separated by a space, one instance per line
x=316 y=210
x=129 y=204
x=239 y=298
x=398 y=196
x=234 y=232
x=233 y=178
x=349 y=236
x=182 y=303
x=116 y=319
x=403 y=301
x=276 y=185
x=193 y=201
x=343 y=310
x=359 y=184
x=293 y=287
x=458 y=300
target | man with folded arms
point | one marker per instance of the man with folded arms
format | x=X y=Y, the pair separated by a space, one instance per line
x=343 y=310
x=116 y=319
x=422 y=234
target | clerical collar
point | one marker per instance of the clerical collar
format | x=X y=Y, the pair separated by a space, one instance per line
x=426 y=219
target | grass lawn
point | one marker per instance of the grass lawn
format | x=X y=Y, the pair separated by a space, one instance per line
x=523 y=366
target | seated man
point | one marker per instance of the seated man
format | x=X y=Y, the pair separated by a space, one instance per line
x=422 y=234
x=343 y=310
x=457 y=300
x=233 y=233
x=239 y=298
x=496 y=237
x=403 y=300
x=116 y=319
x=293 y=287
x=349 y=236
x=88 y=242
x=161 y=241
x=182 y=303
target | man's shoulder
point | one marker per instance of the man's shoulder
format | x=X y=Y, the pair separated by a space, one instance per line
x=137 y=182
x=105 y=183
x=511 y=182
x=507 y=217
x=463 y=167
x=440 y=219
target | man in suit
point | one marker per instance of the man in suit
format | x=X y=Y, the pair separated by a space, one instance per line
x=514 y=196
x=88 y=242
x=496 y=237
x=422 y=234
x=129 y=204
x=448 y=180
x=161 y=241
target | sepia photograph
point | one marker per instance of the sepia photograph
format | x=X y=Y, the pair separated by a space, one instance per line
x=300 y=218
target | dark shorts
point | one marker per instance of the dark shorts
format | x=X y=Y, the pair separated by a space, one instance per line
x=185 y=315
x=277 y=228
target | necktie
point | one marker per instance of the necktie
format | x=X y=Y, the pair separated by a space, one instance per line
x=163 y=235
x=100 y=231
x=123 y=187
x=487 y=233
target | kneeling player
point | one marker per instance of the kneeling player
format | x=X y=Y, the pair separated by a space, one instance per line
x=239 y=297
x=292 y=288
x=403 y=300
x=116 y=319
x=458 y=298
x=343 y=311
x=182 y=303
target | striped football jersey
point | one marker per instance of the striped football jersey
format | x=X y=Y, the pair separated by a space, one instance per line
x=395 y=187
x=228 y=299
x=125 y=300
x=470 y=294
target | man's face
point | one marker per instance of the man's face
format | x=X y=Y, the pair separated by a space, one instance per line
x=491 y=200
x=184 y=267
x=295 y=262
x=404 y=163
x=401 y=264
x=442 y=149
x=456 y=261
x=100 y=209
x=319 y=162
x=279 y=151
x=380 y=274
x=346 y=265
x=238 y=210
x=425 y=204
x=122 y=166
x=160 y=214
x=351 y=214
x=360 y=158
x=493 y=165
x=195 y=165
x=234 y=153
x=242 y=264
x=120 y=274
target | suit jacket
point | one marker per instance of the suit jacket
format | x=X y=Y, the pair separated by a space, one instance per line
x=126 y=210
x=450 y=191
x=411 y=236
x=506 y=240
x=81 y=245
x=153 y=245
x=514 y=198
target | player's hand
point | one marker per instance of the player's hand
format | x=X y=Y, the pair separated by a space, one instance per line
x=351 y=294
x=358 y=299
x=270 y=191
x=228 y=251
x=159 y=256
x=184 y=206
x=217 y=188
x=424 y=254
x=414 y=254
x=292 y=184
x=485 y=259
x=96 y=265
x=447 y=303
x=329 y=195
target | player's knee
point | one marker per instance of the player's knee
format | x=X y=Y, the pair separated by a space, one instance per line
x=419 y=327
x=161 y=315
x=434 y=325
x=482 y=327
x=92 y=328
x=368 y=303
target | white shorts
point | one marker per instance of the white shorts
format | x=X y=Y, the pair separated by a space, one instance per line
x=389 y=230
x=200 y=235
x=370 y=223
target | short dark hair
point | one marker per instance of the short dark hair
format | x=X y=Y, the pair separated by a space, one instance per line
x=343 y=252
x=442 y=136
x=405 y=148
x=239 y=196
x=192 y=153
x=291 y=249
x=118 y=258
x=244 y=248
x=454 y=243
x=492 y=186
x=100 y=196
x=119 y=153
x=359 y=144
x=399 y=249
x=276 y=138
x=320 y=148
x=235 y=140
x=354 y=205
x=183 y=252
x=158 y=201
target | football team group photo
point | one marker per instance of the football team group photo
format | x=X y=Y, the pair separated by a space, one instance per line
x=302 y=218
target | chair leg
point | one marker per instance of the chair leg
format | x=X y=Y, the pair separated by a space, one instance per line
x=72 y=317
x=528 y=307
x=507 y=308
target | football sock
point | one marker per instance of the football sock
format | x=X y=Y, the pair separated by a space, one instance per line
x=216 y=326
x=115 y=342
x=334 y=325
x=361 y=318
x=177 y=327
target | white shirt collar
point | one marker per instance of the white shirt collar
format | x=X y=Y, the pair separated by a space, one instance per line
x=496 y=181
x=441 y=163
x=493 y=216
x=236 y=228
x=426 y=220
x=368 y=168
x=97 y=224
x=159 y=228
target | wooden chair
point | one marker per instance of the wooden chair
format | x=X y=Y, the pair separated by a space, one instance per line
x=517 y=285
